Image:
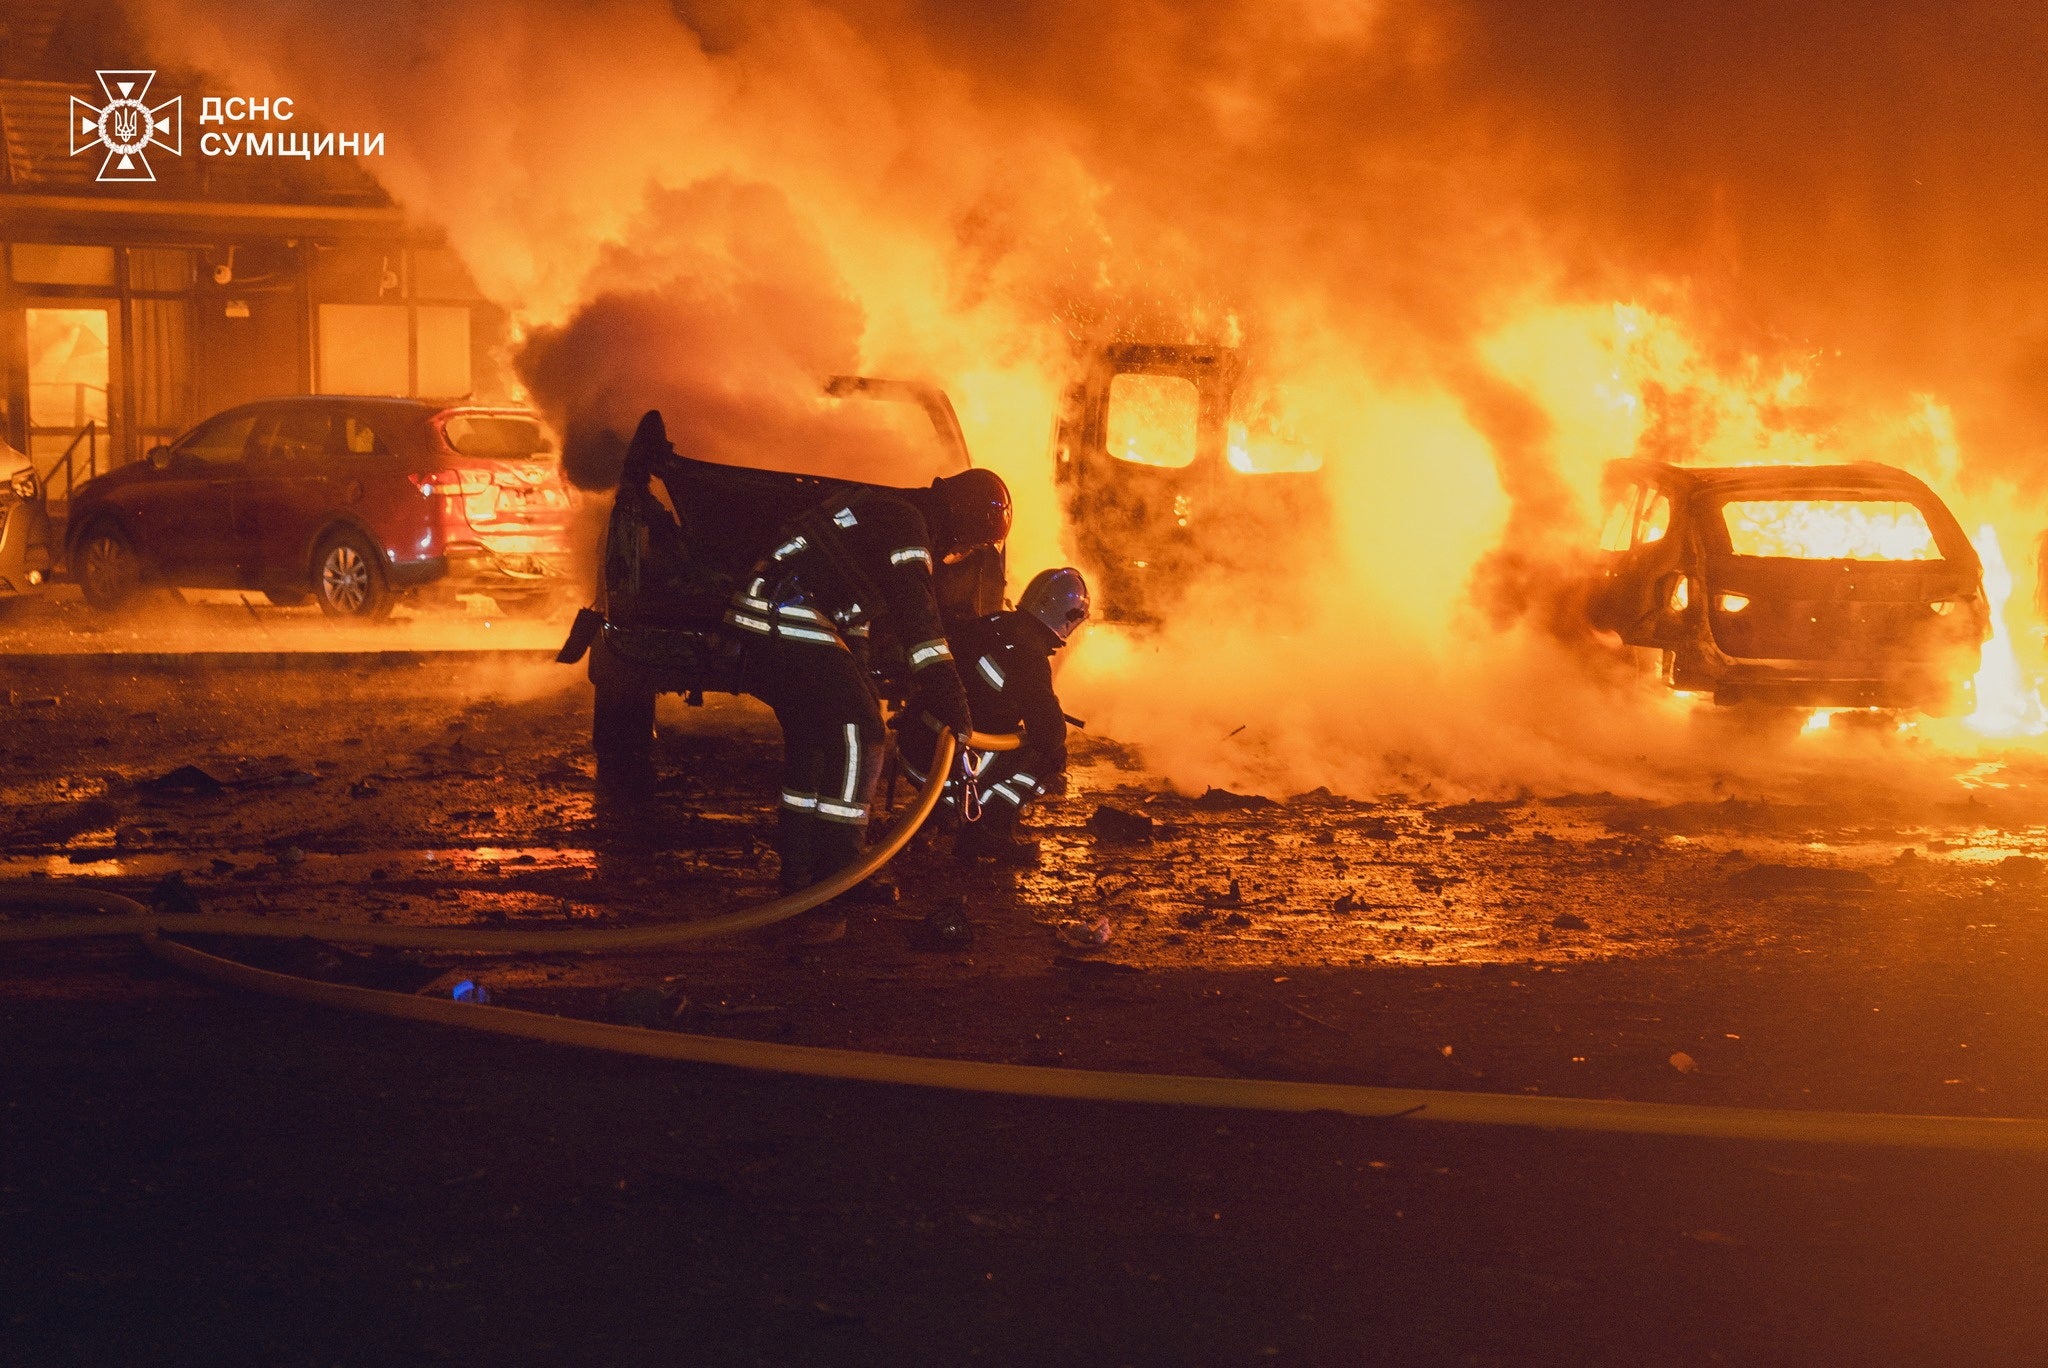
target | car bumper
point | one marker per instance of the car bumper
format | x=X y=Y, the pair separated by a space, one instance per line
x=24 y=549
x=1933 y=686
x=474 y=567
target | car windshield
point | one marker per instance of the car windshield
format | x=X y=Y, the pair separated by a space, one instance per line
x=885 y=439
x=506 y=436
x=873 y=432
x=1830 y=529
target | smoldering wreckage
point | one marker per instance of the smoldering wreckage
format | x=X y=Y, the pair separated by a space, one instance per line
x=1508 y=705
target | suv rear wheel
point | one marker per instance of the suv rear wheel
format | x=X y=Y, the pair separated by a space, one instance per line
x=348 y=580
x=110 y=572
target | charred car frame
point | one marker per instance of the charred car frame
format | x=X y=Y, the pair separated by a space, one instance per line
x=1160 y=483
x=1809 y=586
x=671 y=561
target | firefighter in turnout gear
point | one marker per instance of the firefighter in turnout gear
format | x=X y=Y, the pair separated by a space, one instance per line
x=804 y=617
x=1006 y=659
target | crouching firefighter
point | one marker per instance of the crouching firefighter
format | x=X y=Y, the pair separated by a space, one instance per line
x=855 y=562
x=1006 y=659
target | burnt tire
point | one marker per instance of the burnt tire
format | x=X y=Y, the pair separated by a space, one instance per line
x=110 y=571
x=348 y=578
x=621 y=720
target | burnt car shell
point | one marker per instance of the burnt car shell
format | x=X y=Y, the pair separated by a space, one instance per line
x=669 y=633
x=1780 y=629
x=1144 y=532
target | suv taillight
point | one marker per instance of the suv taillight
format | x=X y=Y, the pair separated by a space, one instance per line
x=451 y=484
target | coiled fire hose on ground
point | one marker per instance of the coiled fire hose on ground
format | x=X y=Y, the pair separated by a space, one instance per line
x=121 y=915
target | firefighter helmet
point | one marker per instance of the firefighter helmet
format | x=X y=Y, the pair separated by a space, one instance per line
x=1057 y=598
x=976 y=505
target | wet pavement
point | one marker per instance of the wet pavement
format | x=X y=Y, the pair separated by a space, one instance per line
x=1854 y=922
x=1567 y=943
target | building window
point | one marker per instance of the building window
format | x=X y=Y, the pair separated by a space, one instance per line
x=37 y=263
x=364 y=349
x=413 y=350
x=443 y=366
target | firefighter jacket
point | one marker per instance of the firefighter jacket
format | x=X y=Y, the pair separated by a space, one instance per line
x=841 y=566
x=1006 y=661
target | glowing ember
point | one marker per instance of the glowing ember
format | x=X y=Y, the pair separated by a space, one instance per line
x=2008 y=703
x=1830 y=529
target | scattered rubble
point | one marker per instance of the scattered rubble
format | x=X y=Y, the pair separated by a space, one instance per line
x=1114 y=824
x=1223 y=800
x=184 y=779
x=1767 y=879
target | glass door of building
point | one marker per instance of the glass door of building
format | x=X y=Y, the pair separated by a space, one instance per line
x=73 y=350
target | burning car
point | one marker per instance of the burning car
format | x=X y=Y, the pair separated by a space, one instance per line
x=1167 y=474
x=347 y=501
x=672 y=560
x=1808 y=586
x=24 y=528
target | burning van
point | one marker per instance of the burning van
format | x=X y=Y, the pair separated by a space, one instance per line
x=1807 y=586
x=1170 y=468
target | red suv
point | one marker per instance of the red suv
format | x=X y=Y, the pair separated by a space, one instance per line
x=349 y=501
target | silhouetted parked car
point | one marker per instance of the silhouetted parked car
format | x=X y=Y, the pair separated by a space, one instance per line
x=349 y=501
x=24 y=528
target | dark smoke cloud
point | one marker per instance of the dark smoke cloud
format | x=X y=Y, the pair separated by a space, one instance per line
x=724 y=313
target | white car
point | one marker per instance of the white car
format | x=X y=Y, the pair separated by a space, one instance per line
x=24 y=528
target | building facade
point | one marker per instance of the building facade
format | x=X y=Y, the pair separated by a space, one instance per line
x=129 y=309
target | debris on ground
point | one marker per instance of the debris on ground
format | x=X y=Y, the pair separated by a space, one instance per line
x=172 y=896
x=1569 y=921
x=1767 y=879
x=16 y=700
x=947 y=927
x=1089 y=935
x=644 y=1005
x=1683 y=1062
x=183 y=779
x=1223 y=800
x=1115 y=824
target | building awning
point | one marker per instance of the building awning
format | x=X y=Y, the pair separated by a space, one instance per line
x=43 y=187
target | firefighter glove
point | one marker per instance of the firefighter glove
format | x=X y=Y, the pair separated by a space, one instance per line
x=940 y=697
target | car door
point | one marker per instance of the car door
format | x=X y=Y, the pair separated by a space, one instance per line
x=181 y=513
x=1644 y=591
x=287 y=494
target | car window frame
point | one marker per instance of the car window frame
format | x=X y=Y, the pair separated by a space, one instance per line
x=183 y=451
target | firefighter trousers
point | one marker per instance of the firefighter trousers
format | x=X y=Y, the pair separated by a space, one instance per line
x=831 y=751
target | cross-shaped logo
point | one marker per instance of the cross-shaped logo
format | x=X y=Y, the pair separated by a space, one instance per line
x=125 y=125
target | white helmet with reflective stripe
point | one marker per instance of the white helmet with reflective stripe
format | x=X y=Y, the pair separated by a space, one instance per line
x=1057 y=598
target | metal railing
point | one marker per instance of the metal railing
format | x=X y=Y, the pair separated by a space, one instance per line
x=69 y=464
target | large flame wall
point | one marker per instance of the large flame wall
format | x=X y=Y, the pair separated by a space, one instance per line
x=1485 y=246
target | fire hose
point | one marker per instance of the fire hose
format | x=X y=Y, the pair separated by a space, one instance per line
x=122 y=915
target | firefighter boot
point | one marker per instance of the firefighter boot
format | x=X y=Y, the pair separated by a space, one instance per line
x=839 y=845
x=795 y=842
x=995 y=837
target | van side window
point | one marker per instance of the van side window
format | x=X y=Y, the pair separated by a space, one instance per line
x=1654 y=519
